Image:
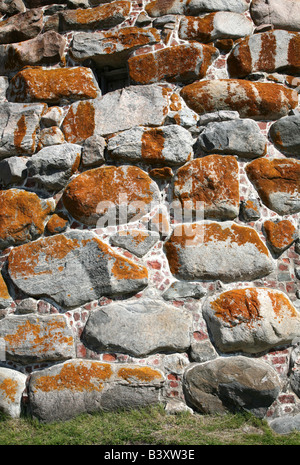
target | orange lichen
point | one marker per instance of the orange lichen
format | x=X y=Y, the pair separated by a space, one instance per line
x=20 y=133
x=126 y=269
x=200 y=29
x=57 y=223
x=4 y=294
x=281 y=234
x=99 y=13
x=9 y=387
x=143 y=374
x=79 y=123
x=165 y=173
x=152 y=145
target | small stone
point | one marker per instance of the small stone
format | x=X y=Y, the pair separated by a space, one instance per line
x=216 y=116
x=13 y=170
x=12 y=387
x=182 y=290
x=22 y=26
x=5 y=298
x=93 y=151
x=136 y=241
x=280 y=234
x=50 y=136
x=202 y=351
x=250 y=210
x=162 y=174
x=57 y=224
x=26 y=306
x=284 y=134
x=52 y=117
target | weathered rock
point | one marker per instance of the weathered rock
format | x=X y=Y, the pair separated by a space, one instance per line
x=45 y=49
x=182 y=290
x=285 y=134
x=13 y=170
x=208 y=187
x=22 y=26
x=231 y=384
x=22 y=216
x=5 y=298
x=91 y=386
x=136 y=241
x=37 y=338
x=202 y=351
x=161 y=174
x=285 y=424
x=240 y=137
x=19 y=125
x=194 y=7
x=12 y=386
x=213 y=26
x=269 y=52
x=53 y=85
x=93 y=151
x=111 y=48
x=57 y=224
x=50 y=136
x=134 y=106
x=256 y=100
x=277 y=182
x=53 y=266
x=167 y=145
x=12 y=7
x=110 y=194
x=216 y=116
x=280 y=235
x=100 y=17
x=138 y=328
x=251 y=320
x=53 y=166
x=211 y=251
x=272 y=12
x=183 y=63
x=28 y=305
x=250 y=210
x=53 y=116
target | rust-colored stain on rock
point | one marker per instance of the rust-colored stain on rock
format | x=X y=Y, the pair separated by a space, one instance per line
x=79 y=123
x=8 y=388
x=140 y=374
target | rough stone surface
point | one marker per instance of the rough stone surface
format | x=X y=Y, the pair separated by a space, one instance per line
x=50 y=136
x=181 y=290
x=272 y=12
x=277 y=182
x=285 y=134
x=110 y=195
x=93 y=151
x=91 y=386
x=208 y=187
x=194 y=7
x=37 y=338
x=240 y=137
x=280 y=235
x=257 y=100
x=224 y=251
x=285 y=424
x=168 y=145
x=12 y=386
x=251 y=320
x=151 y=327
x=231 y=384
x=136 y=241
x=12 y=7
x=57 y=224
x=13 y=170
x=53 y=266
x=250 y=210
x=5 y=298
x=22 y=26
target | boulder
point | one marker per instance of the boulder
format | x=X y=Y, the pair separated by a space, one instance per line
x=12 y=387
x=272 y=12
x=271 y=51
x=22 y=216
x=234 y=384
x=91 y=386
x=22 y=26
x=13 y=170
x=5 y=298
x=280 y=235
x=167 y=145
x=277 y=182
x=12 y=7
x=57 y=85
x=53 y=166
x=110 y=194
x=286 y=424
x=251 y=320
x=285 y=134
x=136 y=241
x=256 y=100
x=179 y=63
x=208 y=187
x=133 y=105
x=37 y=338
x=217 y=251
x=138 y=328
x=240 y=137
x=53 y=266
x=213 y=26
x=194 y=7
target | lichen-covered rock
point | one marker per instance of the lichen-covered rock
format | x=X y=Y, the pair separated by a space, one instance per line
x=285 y=134
x=218 y=25
x=183 y=63
x=22 y=216
x=100 y=17
x=167 y=145
x=57 y=224
x=240 y=137
x=53 y=166
x=231 y=384
x=50 y=136
x=91 y=386
x=37 y=338
x=12 y=7
x=138 y=328
x=111 y=48
x=53 y=85
x=257 y=100
x=12 y=387
x=270 y=52
x=280 y=235
x=217 y=251
x=22 y=26
x=110 y=194
x=208 y=187
x=250 y=210
x=194 y=7
x=277 y=182
x=251 y=320
x=133 y=105
x=5 y=298
x=53 y=266
x=273 y=12
x=136 y=241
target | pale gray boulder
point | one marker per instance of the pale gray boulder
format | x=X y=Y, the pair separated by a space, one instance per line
x=285 y=134
x=182 y=290
x=281 y=16
x=11 y=398
x=136 y=241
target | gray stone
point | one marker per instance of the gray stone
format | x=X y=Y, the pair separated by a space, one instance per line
x=181 y=290
x=50 y=136
x=53 y=166
x=167 y=145
x=98 y=386
x=231 y=384
x=136 y=241
x=37 y=338
x=202 y=351
x=52 y=117
x=240 y=137
x=11 y=398
x=285 y=134
x=26 y=306
x=194 y=7
x=4 y=84
x=250 y=210
x=285 y=424
x=93 y=151
x=222 y=115
x=273 y=12
x=138 y=328
x=13 y=170
x=53 y=266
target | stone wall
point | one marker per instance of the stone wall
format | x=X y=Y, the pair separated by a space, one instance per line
x=150 y=206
